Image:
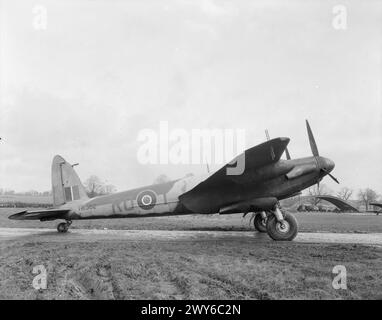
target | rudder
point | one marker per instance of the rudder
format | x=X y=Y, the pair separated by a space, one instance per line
x=66 y=185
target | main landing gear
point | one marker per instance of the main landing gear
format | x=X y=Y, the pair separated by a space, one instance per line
x=63 y=227
x=280 y=226
x=260 y=222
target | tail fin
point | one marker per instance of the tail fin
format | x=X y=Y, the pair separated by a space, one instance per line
x=66 y=185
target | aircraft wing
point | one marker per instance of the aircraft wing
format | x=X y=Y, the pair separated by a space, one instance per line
x=43 y=215
x=258 y=156
x=376 y=204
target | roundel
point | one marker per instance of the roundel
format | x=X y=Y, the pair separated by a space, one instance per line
x=147 y=199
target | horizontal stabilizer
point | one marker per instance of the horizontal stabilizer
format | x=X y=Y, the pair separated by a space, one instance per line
x=43 y=215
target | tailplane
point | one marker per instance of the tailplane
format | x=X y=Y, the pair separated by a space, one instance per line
x=66 y=185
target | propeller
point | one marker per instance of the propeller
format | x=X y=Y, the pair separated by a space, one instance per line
x=267 y=134
x=331 y=176
x=286 y=149
x=313 y=147
x=208 y=167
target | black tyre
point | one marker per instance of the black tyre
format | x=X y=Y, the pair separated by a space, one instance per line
x=62 y=227
x=285 y=231
x=259 y=223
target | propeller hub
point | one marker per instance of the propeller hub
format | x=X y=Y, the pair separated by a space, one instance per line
x=326 y=164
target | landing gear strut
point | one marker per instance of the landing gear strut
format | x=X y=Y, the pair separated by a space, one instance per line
x=63 y=227
x=282 y=226
x=260 y=222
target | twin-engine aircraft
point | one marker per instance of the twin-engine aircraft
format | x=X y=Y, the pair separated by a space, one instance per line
x=265 y=180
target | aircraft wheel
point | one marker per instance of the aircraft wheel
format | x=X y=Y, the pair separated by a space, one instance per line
x=259 y=223
x=285 y=231
x=62 y=227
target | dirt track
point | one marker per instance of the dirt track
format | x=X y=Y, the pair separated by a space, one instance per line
x=163 y=235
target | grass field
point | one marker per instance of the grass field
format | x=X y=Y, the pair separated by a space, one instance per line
x=308 y=222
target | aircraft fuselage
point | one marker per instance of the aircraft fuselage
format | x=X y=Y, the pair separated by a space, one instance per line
x=279 y=180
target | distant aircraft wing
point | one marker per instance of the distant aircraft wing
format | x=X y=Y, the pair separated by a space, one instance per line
x=220 y=182
x=49 y=214
x=376 y=204
x=339 y=203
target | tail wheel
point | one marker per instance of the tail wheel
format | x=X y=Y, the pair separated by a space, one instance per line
x=282 y=231
x=62 y=227
x=260 y=223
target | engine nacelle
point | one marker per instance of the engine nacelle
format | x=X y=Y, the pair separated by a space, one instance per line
x=258 y=204
x=301 y=170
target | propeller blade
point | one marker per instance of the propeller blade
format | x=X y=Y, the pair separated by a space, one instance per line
x=269 y=138
x=334 y=178
x=267 y=134
x=331 y=176
x=208 y=167
x=312 y=142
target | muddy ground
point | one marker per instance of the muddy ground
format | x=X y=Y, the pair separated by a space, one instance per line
x=234 y=269
x=224 y=268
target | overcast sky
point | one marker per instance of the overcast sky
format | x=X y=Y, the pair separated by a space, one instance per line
x=100 y=71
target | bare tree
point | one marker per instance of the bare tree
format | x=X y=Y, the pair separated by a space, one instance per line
x=109 y=188
x=318 y=190
x=345 y=193
x=366 y=196
x=95 y=187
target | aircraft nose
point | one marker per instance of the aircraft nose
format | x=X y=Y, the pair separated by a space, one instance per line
x=328 y=164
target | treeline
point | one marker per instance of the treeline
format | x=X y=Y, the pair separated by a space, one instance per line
x=94 y=186
x=19 y=204
x=33 y=193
